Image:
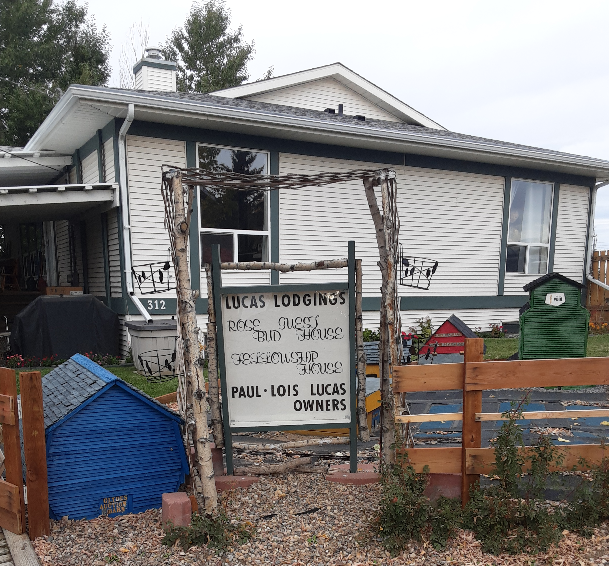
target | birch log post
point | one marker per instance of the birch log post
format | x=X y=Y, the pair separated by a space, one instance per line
x=386 y=228
x=362 y=421
x=212 y=366
x=196 y=397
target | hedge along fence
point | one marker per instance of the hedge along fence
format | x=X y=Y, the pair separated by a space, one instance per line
x=474 y=376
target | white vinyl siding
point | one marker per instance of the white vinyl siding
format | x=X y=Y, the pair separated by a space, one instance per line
x=114 y=260
x=453 y=218
x=62 y=243
x=90 y=170
x=109 y=161
x=152 y=78
x=145 y=156
x=322 y=94
x=571 y=230
x=95 y=257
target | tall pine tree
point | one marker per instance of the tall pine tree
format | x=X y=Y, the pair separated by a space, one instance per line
x=209 y=55
x=44 y=47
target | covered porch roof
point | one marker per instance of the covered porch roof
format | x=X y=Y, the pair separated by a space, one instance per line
x=20 y=167
x=32 y=203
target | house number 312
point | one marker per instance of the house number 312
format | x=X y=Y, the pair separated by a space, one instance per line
x=156 y=305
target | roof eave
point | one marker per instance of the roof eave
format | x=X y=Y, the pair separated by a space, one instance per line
x=425 y=142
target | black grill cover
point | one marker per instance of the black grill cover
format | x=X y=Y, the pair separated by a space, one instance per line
x=64 y=326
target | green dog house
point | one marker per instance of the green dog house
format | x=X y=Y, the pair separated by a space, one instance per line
x=553 y=324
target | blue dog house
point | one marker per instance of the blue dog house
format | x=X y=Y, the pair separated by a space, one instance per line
x=111 y=449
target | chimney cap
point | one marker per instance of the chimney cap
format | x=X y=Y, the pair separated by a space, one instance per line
x=153 y=53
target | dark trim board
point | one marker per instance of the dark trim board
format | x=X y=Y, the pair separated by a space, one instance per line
x=195 y=264
x=369 y=304
x=155 y=65
x=274 y=220
x=182 y=133
x=432 y=303
x=89 y=146
x=555 y=202
x=507 y=196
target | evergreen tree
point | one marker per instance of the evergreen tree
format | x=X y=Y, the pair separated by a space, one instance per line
x=209 y=55
x=44 y=47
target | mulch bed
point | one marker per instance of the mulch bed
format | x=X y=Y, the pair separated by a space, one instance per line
x=300 y=519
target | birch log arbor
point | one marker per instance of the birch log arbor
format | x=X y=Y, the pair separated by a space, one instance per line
x=194 y=398
x=362 y=420
x=212 y=365
x=387 y=228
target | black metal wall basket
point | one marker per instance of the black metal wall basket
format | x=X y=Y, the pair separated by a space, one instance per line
x=416 y=271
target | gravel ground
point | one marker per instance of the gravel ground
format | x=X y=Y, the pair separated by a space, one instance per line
x=300 y=519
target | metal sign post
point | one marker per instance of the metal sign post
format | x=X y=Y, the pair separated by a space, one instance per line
x=286 y=356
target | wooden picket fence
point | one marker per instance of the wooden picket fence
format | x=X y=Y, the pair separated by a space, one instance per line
x=12 y=501
x=597 y=301
x=473 y=376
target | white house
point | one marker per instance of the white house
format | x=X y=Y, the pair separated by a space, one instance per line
x=86 y=188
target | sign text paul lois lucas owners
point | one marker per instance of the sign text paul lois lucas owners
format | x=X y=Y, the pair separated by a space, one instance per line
x=287 y=358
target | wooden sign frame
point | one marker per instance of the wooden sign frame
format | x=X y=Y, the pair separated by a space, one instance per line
x=219 y=290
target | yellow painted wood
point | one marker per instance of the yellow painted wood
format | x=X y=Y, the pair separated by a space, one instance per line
x=439 y=417
x=533 y=415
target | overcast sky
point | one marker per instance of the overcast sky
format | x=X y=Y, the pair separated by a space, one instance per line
x=530 y=72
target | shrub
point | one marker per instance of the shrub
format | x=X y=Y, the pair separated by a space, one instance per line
x=216 y=532
x=512 y=515
x=423 y=328
x=407 y=515
x=371 y=335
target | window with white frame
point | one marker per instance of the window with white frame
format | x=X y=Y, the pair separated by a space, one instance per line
x=528 y=242
x=237 y=220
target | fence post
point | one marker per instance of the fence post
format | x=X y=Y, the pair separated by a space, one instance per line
x=12 y=454
x=34 y=449
x=471 y=435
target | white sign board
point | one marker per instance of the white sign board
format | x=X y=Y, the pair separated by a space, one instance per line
x=555 y=299
x=287 y=358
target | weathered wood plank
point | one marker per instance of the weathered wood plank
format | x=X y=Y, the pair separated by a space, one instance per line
x=534 y=415
x=12 y=454
x=7 y=409
x=439 y=460
x=9 y=497
x=442 y=377
x=480 y=460
x=472 y=404
x=426 y=418
x=34 y=448
x=536 y=373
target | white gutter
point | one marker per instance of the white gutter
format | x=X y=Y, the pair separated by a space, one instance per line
x=122 y=167
x=591 y=237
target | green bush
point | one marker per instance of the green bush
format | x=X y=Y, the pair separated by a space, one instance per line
x=407 y=515
x=510 y=515
x=216 y=532
x=371 y=335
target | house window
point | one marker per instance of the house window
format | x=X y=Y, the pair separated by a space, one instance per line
x=236 y=220
x=528 y=245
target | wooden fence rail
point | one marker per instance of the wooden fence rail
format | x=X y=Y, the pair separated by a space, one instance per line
x=472 y=377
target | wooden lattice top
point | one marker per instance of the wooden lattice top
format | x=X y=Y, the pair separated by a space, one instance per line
x=238 y=181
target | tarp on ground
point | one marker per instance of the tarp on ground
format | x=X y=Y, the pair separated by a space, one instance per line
x=64 y=326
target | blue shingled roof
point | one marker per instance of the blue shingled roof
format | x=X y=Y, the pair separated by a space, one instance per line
x=69 y=385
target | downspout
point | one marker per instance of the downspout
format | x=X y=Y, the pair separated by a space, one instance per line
x=591 y=237
x=122 y=164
